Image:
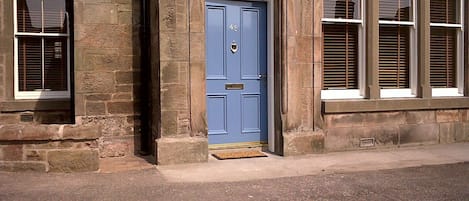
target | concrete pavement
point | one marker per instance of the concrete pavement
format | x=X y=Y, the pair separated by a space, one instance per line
x=341 y=162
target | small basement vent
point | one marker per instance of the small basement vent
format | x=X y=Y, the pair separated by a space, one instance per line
x=367 y=142
x=27 y=117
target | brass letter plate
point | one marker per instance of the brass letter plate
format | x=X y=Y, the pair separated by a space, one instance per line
x=234 y=86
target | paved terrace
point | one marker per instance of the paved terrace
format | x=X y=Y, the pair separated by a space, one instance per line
x=339 y=162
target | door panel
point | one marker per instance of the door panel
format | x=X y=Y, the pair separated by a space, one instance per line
x=216 y=66
x=236 y=67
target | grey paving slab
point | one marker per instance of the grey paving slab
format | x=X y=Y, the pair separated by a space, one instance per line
x=352 y=161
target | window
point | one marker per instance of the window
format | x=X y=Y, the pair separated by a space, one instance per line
x=396 y=33
x=342 y=29
x=42 y=42
x=446 y=47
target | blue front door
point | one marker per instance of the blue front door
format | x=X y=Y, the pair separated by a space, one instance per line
x=236 y=47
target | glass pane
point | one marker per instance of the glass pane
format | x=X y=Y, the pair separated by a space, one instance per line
x=55 y=20
x=444 y=11
x=394 y=56
x=55 y=64
x=342 y=9
x=395 y=10
x=29 y=16
x=29 y=64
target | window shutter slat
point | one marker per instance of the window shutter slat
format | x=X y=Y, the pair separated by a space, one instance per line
x=29 y=64
x=393 y=56
x=443 y=43
x=340 y=56
x=442 y=57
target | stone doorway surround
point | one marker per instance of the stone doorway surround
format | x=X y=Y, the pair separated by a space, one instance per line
x=178 y=78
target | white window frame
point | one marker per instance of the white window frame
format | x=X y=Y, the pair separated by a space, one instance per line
x=412 y=91
x=459 y=90
x=42 y=94
x=330 y=94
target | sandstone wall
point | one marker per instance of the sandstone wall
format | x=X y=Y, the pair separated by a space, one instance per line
x=103 y=118
x=107 y=72
x=395 y=129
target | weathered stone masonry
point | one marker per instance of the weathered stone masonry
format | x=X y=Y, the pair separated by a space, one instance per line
x=103 y=119
x=42 y=135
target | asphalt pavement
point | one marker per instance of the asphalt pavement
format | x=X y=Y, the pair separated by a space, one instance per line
x=430 y=174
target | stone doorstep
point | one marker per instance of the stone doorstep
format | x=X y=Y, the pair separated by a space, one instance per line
x=127 y=163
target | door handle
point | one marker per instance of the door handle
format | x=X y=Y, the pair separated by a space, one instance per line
x=261 y=76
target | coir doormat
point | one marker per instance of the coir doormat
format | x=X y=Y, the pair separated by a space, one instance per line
x=238 y=155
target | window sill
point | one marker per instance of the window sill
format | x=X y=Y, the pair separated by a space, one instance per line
x=35 y=105
x=395 y=104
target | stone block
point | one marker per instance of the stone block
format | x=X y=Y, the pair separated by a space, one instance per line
x=174 y=15
x=305 y=49
x=81 y=132
x=116 y=147
x=307 y=75
x=449 y=131
x=197 y=19
x=126 y=107
x=344 y=120
x=383 y=135
x=317 y=48
x=174 y=97
x=464 y=135
x=124 y=88
x=107 y=61
x=44 y=145
x=197 y=51
x=23 y=166
x=101 y=13
x=181 y=150
x=447 y=116
x=95 y=108
x=122 y=96
x=41 y=132
x=385 y=118
x=35 y=155
x=125 y=17
x=110 y=125
x=169 y=73
x=464 y=115
x=420 y=117
x=95 y=82
x=9 y=119
x=127 y=77
x=73 y=160
x=341 y=139
x=11 y=152
x=303 y=143
x=104 y=36
x=169 y=123
x=174 y=46
x=419 y=133
x=79 y=105
x=10 y=132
